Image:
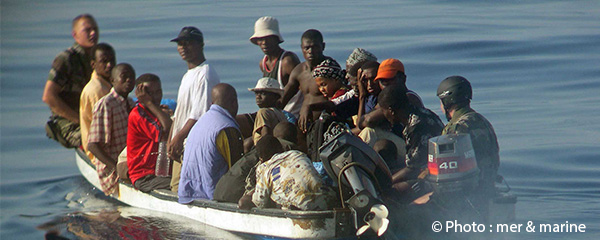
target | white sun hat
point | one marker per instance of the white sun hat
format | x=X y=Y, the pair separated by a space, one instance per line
x=267 y=84
x=264 y=27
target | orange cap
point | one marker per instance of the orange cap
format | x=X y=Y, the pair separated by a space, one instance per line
x=388 y=68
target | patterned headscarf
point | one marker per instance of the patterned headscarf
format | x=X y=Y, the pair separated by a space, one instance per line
x=329 y=69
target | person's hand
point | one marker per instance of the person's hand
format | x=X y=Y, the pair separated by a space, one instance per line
x=111 y=166
x=175 y=148
x=304 y=119
x=167 y=110
x=245 y=202
x=142 y=95
x=362 y=85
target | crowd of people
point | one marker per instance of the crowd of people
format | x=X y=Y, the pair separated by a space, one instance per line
x=254 y=159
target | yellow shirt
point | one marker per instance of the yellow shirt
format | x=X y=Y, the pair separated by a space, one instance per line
x=95 y=89
x=266 y=117
x=229 y=146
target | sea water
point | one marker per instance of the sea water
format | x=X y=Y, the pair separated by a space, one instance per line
x=534 y=66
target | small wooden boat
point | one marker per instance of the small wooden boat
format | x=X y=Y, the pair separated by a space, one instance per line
x=335 y=223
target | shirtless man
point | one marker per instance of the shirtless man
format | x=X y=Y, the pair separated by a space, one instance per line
x=301 y=77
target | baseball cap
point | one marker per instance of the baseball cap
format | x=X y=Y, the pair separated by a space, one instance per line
x=189 y=33
x=389 y=68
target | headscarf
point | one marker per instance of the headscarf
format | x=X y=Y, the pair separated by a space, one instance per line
x=329 y=69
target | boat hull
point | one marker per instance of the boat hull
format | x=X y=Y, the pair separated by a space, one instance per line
x=264 y=222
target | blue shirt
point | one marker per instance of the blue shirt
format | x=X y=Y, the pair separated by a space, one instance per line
x=203 y=164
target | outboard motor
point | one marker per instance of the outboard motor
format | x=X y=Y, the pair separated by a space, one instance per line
x=453 y=172
x=452 y=164
x=361 y=175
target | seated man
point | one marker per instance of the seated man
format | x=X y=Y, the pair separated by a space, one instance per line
x=70 y=72
x=108 y=132
x=241 y=177
x=213 y=145
x=368 y=89
x=267 y=93
x=288 y=179
x=420 y=125
x=357 y=58
x=148 y=126
x=389 y=152
x=103 y=61
x=455 y=94
x=390 y=72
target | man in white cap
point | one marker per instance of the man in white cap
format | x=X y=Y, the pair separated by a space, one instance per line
x=194 y=96
x=268 y=116
x=277 y=63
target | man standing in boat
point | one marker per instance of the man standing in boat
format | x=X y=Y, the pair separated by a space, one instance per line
x=277 y=62
x=455 y=94
x=193 y=98
x=301 y=77
x=71 y=71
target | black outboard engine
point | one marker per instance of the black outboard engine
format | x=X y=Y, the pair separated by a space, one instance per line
x=361 y=175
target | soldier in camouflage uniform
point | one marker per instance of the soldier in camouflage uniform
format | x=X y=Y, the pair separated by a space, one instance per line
x=455 y=94
x=71 y=70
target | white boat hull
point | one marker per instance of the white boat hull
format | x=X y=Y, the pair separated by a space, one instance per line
x=263 y=222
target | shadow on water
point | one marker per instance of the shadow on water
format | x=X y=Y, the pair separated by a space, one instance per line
x=70 y=208
x=128 y=223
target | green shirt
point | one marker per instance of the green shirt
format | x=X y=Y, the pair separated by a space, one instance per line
x=483 y=138
x=71 y=70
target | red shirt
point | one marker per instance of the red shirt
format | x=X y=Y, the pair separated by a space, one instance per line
x=339 y=93
x=143 y=135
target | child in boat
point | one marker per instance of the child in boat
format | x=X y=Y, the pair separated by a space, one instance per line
x=280 y=172
x=108 y=131
x=148 y=125
x=267 y=93
x=329 y=77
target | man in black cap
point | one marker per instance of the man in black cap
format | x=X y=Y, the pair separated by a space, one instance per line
x=194 y=96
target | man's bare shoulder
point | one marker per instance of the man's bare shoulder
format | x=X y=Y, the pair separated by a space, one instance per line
x=288 y=63
x=300 y=68
x=290 y=58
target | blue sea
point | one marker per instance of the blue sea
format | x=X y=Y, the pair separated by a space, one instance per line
x=534 y=66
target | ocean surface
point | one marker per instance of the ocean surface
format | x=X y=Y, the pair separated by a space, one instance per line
x=534 y=66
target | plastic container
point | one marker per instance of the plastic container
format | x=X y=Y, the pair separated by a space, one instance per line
x=163 y=164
